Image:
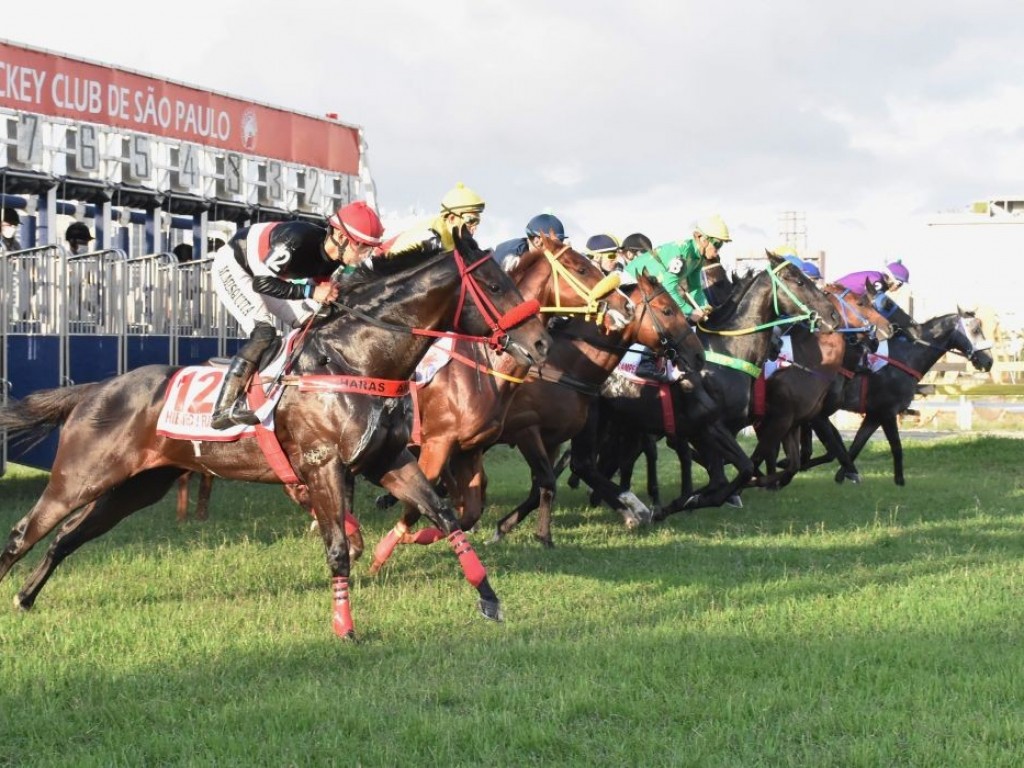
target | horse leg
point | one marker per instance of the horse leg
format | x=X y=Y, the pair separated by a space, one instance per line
x=531 y=446
x=407 y=483
x=834 y=448
x=432 y=458
x=649 y=447
x=95 y=519
x=892 y=433
x=181 y=506
x=327 y=484
x=203 y=500
x=625 y=502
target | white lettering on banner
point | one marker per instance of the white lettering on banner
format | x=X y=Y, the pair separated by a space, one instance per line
x=21 y=83
x=77 y=93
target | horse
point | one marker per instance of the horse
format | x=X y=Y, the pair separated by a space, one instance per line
x=553 y=405
x=758 y=303
x=462 y=408
x=881 y=396
x=465 y=402
x=796 y=392
x=111 y=462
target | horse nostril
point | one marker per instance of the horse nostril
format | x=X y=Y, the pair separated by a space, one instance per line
x=542 y=347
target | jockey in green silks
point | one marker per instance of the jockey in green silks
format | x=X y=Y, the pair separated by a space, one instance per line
x=678 y=265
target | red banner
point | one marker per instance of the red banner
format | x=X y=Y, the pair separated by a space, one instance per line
x=51 y=84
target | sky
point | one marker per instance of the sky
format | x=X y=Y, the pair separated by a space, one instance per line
x=864 y=118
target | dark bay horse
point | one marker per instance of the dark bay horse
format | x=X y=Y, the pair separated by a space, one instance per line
x=553 y=406
x=111 y=462
x=881 y=396
x=796 y=392
x=738 y=334
x=462 y=409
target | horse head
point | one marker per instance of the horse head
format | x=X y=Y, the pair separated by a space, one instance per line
x=661 y=325
x=858 y=314
x=795 y=294
x=566 y=282
x=969 y=338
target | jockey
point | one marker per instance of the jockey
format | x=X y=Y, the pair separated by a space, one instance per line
x=636 y=244
x=276 y=270
x=606 y=251
x=507 y=253
x=460 y=209
x=678 y=265
x=888 y=280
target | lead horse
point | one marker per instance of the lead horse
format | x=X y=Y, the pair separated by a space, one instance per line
x=111 y=461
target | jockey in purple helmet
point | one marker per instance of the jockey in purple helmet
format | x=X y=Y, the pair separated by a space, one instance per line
x=889 y=279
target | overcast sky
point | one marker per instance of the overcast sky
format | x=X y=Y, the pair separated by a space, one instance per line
x=865 y=117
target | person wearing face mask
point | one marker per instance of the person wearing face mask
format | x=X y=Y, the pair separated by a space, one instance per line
x=9 y=231
x=78 y=237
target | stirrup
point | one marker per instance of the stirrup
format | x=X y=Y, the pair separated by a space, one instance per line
x=234 y=416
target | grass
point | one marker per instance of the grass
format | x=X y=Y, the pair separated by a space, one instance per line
x=822 y=625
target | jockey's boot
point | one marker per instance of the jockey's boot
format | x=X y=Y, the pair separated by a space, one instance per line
x=230 y=409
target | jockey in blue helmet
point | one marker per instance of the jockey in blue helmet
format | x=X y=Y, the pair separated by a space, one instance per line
x=507 y=253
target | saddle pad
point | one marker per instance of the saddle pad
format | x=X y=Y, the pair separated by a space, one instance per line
x=437 y=357
x=191 y=394
x=879 y=358
x=784 y=360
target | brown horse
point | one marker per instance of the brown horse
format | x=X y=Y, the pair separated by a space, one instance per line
x=553 y=406
x=796 y=392
x=462 y=409
x=111 y=462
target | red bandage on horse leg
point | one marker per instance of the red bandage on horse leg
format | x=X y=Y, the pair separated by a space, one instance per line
x=342 y=610
x=471 y=565
x=351 y=524
x=427 y=536
x=387 y=545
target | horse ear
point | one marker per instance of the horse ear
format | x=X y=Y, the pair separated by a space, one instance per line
x=465 y=243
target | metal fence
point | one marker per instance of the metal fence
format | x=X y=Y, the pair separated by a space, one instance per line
x=71 y=319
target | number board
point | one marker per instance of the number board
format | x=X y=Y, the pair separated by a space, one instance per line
x=93 y=151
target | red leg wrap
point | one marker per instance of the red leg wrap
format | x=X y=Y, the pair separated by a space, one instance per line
x=471 y=565
x=427 y=536
x=351 y=524
x=342 y=610
x=385 y=547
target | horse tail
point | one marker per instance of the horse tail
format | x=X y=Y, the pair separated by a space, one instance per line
x=34 y=417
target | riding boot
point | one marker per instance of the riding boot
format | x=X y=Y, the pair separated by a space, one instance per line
x=230 y=409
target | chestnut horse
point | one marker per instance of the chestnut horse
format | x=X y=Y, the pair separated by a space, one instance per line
x=462 y=408
x=111 y=462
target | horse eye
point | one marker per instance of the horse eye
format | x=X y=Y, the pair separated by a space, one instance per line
x=494 y=288
x=667 y=311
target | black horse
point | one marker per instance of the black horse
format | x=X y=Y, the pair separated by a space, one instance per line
x=111 y=462
x=883 y=395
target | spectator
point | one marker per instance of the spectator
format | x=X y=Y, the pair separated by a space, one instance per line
x=183 y=252
x=9 y=231
x=78 y=237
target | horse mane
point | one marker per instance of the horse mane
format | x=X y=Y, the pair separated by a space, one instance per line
x=726 y=311
x=528 y=258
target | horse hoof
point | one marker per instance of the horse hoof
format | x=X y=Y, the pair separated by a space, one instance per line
x=546 y=541
x=497 y=537
x=22 y=604
x=900 y=481
x=491 y=609
x=840 y=477
x=853 y=477
x=692 y=502
x=634 y=511
x=385 y=501
x=735 y=501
